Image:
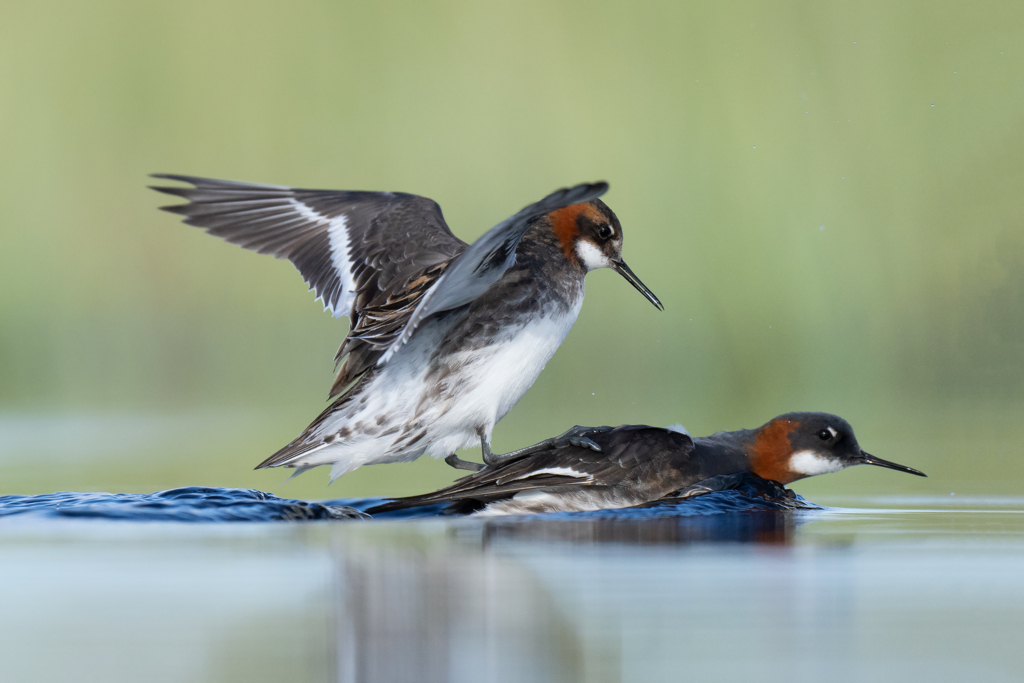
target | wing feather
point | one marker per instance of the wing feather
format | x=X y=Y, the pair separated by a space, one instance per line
x=626 y=452
x=386 y=260
x=349 y=246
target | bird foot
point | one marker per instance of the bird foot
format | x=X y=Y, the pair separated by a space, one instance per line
x=577 y=436
x=460 y=464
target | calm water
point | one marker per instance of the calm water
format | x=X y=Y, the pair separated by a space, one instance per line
x=880 y=589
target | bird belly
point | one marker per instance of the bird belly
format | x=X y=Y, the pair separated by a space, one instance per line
x=389 y=419
x=485 y=383
x=421 y=403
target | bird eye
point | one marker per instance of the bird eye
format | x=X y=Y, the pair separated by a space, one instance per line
x=824 y=435
x=605 y=231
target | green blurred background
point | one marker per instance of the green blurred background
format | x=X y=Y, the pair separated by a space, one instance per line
x=828 y=198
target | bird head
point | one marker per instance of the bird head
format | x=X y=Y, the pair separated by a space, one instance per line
x=591 y=236
x=799 y=445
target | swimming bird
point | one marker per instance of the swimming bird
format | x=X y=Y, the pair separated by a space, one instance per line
x=444 y=337
x=631 y=465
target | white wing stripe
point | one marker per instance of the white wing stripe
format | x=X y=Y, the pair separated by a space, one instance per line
x=308 y=213
x=340 y=256
x=562 y=471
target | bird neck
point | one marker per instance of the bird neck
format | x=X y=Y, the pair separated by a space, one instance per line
x=722 y=453
x=770 y=451
x=565 y=225
x=765 y=452
x=543 y=250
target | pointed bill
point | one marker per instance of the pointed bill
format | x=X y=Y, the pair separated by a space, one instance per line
x=868 y=459
x=622 y=269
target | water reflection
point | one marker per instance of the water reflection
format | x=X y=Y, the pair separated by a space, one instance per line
x=770 y=528
x=462 y=601
x=468 y=605
x=838 y=595
x=424 y=617
x=818 y=594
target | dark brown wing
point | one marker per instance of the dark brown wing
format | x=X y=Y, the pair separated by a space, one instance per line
x=350 y=247
x=380 y=323
x=628 y=452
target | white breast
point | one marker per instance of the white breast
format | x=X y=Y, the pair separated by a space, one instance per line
x=515 y=365
x=490 y=380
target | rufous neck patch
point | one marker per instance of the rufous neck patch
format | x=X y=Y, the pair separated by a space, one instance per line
x=564 y=223
x=769 y=454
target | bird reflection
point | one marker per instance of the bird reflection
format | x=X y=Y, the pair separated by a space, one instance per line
x=768 y=528
x=475 y=598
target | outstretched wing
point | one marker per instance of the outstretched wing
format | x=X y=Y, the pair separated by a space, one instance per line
x=626 y=452
x=487 y=259
x=387 y=260
x=350 y=247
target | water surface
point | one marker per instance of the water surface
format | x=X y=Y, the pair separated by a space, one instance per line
x=880 y=589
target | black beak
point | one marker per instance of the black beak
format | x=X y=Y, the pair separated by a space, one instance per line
x=868 y=459
x=622 y=269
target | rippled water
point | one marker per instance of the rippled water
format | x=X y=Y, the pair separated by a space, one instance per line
x=880 y=589
x=206 y=504
x=188 y=504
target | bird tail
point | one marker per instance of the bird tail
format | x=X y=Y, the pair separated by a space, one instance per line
x=456 y=506
x=311 y=440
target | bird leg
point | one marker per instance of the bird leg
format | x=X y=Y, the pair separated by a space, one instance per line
x=572 y=437
x=460 y=464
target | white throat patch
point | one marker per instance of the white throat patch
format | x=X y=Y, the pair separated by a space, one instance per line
x=809 y=463
x=590 y=256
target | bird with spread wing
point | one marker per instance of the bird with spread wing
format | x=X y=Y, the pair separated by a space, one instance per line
x=444 y=337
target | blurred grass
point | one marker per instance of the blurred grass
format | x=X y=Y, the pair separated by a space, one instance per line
x=827 y=197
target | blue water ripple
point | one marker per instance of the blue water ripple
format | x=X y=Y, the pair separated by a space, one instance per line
x=207 y=504
x=188 y=504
